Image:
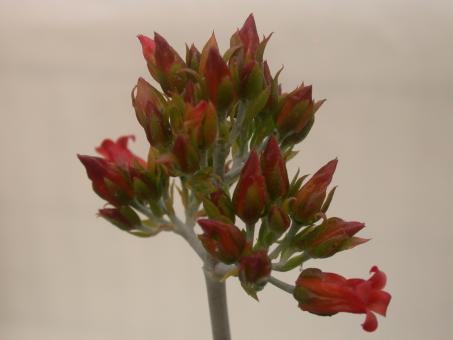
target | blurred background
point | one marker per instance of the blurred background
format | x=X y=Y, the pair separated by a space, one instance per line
x=66 y=72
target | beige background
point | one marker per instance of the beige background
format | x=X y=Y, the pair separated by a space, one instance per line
x=66 y=71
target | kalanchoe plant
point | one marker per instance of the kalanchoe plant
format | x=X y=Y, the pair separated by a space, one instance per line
x=220 y=133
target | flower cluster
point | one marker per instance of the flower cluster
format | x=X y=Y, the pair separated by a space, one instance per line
x=223 y=128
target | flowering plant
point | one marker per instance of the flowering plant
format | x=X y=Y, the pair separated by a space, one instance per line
x=220 y=134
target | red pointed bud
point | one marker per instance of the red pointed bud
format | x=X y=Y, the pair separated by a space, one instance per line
x=223 y=204
x=145 y=96
x=249 y=197
x=279 y=221
x=201 y=123
x=118 y=152
x=327 y=294
x=163 y=63
x=310 y=198
x=254 y=269
x=124 y=217
x=297 y=111
x=249 y=37
x=274 y=170
x=223 y=241
x=193 y=57
x=332 y=236
x=186 y=154
x=107 y=180
x=218 y=78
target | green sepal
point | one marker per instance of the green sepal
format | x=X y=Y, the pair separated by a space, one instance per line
x=292 y=263
x=254 y=82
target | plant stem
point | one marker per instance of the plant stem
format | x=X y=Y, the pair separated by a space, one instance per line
x=217 y=307
x=280 y=284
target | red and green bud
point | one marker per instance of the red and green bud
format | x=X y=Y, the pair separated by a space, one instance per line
x=309 y=202
x=193 y=57
x=117 y=152
x=327 y=239
x=249 y=197
x=248 y=35
x=201 y=123
x=254 y=269
x=278 y=220
x=164 y=63
x=327 y=294
x=297 y=113
x=149 y=104
x=186 y=154
x=219 y=206
x=224 y=241
x=218 y=78
x=123 y=217
x=274 y=170
x=108 y=180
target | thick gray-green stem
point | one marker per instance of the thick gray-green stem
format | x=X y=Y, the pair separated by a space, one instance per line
x=217 y=305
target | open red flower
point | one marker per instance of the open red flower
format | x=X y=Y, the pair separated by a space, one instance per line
x=328 y=293
x=118 y=152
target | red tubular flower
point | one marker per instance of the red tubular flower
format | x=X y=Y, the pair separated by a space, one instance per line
x=249 y=197
x=274 y=170
x=223 y=241
x=108 y=182
x=218 y=78
x=255 y=268
x=332 y=236
x=310 y=198
x=118 y=152
x=328 y=293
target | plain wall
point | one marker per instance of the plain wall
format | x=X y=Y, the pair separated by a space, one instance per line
x=66 y=72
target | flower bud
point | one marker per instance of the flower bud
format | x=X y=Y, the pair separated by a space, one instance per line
x=223 y=241
x=249 y=197
x=328 y=293
x=123 y=217
x=249 y=37
x=254 y=269
x=201 y=121
x=278 y=220
x=218 y=79
x=274 y=170
x=186 y=154
x=332 y=236
x=297 y=113
x=193 y=57
x=107 y=180
x=219 y=205
x=164 y=63
x=310 y=198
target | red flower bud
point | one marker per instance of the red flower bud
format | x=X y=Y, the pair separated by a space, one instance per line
x=201 y=123
x=249 y=197
x=279 y=221
x=249 y=37
x=193 y=57
x=254 y=269
x=186 y=154
x=163 y=62
x=124 y=217
x=118 y=152
x=223 y=241
x=328 y=293
x=274 y=170
x=223 y=204
x=297 y=112
x=108 y=182
x=332 y=236
x=310 y=198
x=218 y=78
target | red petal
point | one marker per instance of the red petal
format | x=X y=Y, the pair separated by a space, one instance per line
x=148 y=47
x=370 y=323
